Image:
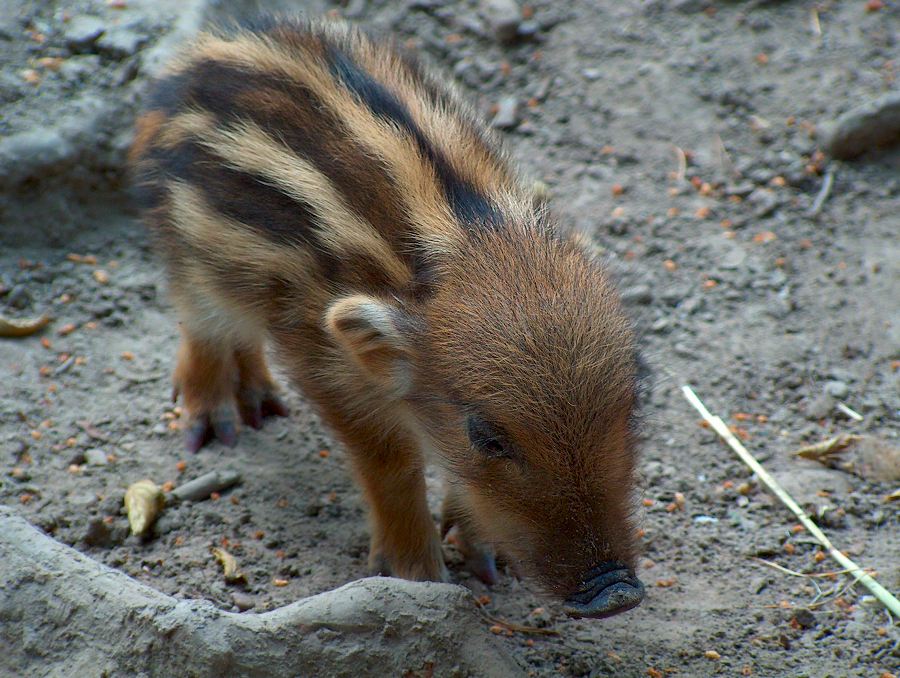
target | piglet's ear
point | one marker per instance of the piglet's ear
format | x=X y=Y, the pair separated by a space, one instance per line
x=368 y=330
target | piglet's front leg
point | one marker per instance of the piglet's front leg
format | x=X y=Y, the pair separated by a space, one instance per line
x=388 y=466
x=480 y=556
x=363 y=402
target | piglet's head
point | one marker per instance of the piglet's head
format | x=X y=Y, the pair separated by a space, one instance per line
x=519 y=367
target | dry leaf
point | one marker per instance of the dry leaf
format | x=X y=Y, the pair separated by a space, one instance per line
x=143 y=504
x=868 y=457
x=229 y=566
x=22 y=328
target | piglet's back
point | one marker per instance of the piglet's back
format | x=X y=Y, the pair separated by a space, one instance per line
x=304 y=157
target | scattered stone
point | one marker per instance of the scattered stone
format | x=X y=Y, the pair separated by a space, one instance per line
x=873 y=125
x=660 y=325
x=504 y=18
x=98 y=533
x=507 y=116
x=82 y=32
x=733 y=258
x=638 y=294
x=830 y=517
x=242 y=601
x=805 y=480
x=764 y=201
x=120 y=42
x=78 y=68
x=592 y=73
x=837 y=389
x=820 y=407
x=11 y=88
x=529 y=29
x=200 y=488
x=691 y=305
x=19 y=297
x=690 y=6
x=703 y=520
x=95 y=457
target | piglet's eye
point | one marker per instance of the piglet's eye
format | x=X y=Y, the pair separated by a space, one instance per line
x=488 y=439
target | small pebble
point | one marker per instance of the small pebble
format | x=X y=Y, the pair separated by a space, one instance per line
x=95 y=457
x=837 y=389
x=507 y=116
x=97 y=533
x=120 y=42
x=702 y=520
x=872 y=125
x=82 y=32
x=805 y=618
x=504 y=17
x=820 y=407
x=638 y=294
x=242 y=601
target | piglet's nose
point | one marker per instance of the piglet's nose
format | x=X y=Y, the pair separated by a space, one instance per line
x=607 y=590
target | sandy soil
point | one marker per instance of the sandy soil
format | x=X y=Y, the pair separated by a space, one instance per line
x=774 y=315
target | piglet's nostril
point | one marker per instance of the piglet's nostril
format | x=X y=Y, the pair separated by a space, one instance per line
x=606 y=590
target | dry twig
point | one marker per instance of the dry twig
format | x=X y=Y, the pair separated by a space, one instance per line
x=512 y=626
x=682 y=164
x=853 y=414
x=824 y=192
x=814 y=22
x=860 y=575
x=809 y=575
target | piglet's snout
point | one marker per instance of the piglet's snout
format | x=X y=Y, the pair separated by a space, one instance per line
x=607 y=590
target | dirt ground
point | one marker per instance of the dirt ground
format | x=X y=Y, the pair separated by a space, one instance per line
x=682 y=136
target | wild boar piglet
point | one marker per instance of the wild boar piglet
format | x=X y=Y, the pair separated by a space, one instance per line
x=315 y=188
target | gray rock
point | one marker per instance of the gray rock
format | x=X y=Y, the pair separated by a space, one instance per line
x=660 y=325
x=820 y=407
x=95 y=457
x=804 y=480
x=805 y=618
x=638 y=294
x=504 y=18
x=97 y=533
x=689 y=6
x=11 y=88
x=78 y=68
x=507 y=116
x=242 y=601
x=691 y=305
x=733 y=258
x=19 y=297
x=74 y=617
x=837 y=389
x=35 y=148
x=82 y=32
x=200 y=488
x=529 y=29
x=873 y=125
x=763 y=201
x=683 y=350
x=120 y=42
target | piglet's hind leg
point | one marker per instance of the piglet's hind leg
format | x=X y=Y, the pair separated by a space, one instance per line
x=206 y=377
x=257 y=394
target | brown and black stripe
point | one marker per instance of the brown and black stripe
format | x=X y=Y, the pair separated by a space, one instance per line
x=314 y=137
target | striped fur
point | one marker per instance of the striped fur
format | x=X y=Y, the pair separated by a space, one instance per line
x=319 y=189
